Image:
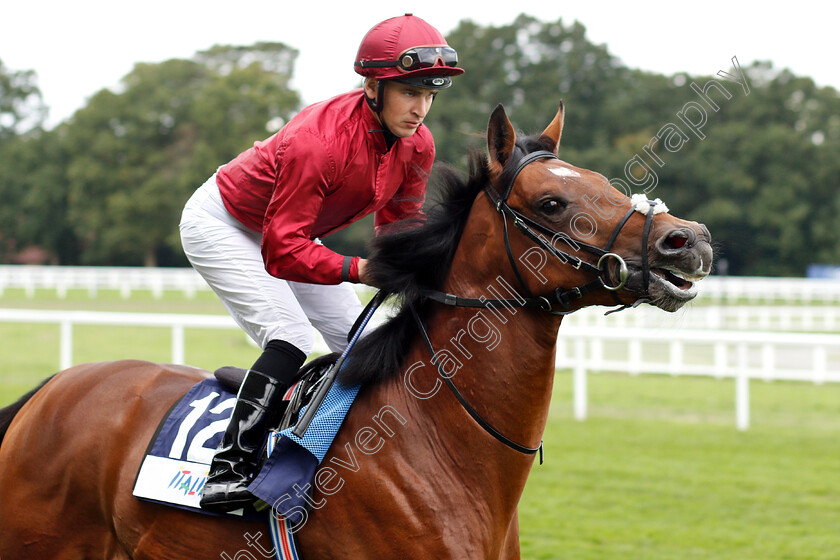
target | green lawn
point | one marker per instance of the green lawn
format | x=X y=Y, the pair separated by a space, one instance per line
x=657 y=471
x=30 y=352
x=110 y=300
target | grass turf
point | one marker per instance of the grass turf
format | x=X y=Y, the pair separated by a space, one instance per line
x=652 y=476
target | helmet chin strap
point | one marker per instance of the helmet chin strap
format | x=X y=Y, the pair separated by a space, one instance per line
x=375 y=103
x=376 y=107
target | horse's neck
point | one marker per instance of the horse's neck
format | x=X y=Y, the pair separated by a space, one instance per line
x=502 y=362
x=507 y=352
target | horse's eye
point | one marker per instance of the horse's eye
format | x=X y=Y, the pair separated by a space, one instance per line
x=552 y=206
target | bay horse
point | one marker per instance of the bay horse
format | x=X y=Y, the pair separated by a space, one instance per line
x=432 y=459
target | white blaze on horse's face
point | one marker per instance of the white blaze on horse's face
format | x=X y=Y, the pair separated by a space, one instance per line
x=564 y=172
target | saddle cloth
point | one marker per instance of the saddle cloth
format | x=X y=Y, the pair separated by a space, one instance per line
x=177 y=460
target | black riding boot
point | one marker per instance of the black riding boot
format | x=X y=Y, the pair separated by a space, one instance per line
x=257 y=410
x=236 y=458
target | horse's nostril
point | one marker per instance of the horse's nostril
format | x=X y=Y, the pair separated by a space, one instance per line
x=676 y=240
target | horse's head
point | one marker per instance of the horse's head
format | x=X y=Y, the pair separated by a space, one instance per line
x=580 y=240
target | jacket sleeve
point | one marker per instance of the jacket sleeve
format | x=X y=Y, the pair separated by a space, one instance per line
x=407 y=202
x=305 y=171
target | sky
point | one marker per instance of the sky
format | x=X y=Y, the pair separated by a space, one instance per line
x=78 y=48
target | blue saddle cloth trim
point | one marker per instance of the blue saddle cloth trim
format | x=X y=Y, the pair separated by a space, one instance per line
x=174 y=468
x=285 y=480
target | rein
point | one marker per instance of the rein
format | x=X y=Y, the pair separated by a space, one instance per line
x=466 y=405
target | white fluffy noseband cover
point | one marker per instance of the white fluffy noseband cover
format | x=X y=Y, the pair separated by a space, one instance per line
x=641 y=204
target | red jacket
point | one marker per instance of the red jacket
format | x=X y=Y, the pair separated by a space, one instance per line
x=327 y=168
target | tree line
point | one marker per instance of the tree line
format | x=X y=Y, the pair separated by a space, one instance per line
x=754 y=153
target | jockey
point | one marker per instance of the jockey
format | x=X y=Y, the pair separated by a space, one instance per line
x=252 y=229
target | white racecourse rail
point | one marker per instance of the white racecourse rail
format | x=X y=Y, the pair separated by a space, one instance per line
x=68 y=319
x=742 y=355
x=157 y=280
x=92 y=279
x=811 y=318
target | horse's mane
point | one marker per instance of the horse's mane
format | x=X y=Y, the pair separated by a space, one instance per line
x=417 y=255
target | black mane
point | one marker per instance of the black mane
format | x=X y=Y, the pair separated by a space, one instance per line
x=417 y=256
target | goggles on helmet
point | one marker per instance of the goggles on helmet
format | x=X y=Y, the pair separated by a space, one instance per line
x=416 y=58
x=426 y=57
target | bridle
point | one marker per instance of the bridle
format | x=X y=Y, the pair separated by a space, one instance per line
x=564 y=297
x=537 y=232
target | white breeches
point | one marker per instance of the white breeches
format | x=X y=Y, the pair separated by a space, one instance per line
x=228 y=256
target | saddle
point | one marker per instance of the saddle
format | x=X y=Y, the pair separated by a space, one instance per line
x=304 y=386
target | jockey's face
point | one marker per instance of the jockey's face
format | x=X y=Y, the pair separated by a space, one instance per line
x=404 y=106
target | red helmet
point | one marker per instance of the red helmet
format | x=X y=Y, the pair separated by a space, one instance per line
x=407 y=49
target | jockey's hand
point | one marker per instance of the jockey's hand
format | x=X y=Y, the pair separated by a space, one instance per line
x=363 y=276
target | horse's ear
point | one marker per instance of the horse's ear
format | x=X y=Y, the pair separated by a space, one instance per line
x=501 y=139
x=554 y=130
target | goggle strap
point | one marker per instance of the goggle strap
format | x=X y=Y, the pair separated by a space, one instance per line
x=376 y=63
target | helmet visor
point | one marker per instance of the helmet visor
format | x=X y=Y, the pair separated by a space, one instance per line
x=428 y=82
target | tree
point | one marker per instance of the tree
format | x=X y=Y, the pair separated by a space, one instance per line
x=136 y=156
x=764 y=178
x=107 y=187
x=34 y=213
x=529 y=67
x=21 y=107
x=21 y=114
